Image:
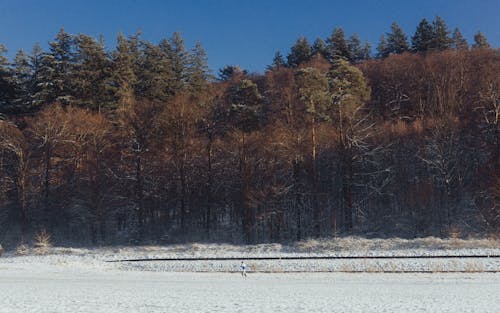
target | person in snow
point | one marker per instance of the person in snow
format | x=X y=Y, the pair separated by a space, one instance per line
x=243 y=268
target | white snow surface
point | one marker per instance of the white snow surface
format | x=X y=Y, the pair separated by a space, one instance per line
x=113 y=291
x=58 y=280
x=96 y=258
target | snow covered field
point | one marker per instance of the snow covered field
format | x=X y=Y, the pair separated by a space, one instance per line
x=79 y=280
x=349 y=246
x=110 y=291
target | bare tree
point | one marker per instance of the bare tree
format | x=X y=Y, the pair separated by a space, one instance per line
x=15 y=150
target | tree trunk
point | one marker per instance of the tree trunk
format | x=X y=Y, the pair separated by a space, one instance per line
x=139 y=195
x=47 y=183
x=248 y=216
x=21 y=191
x=208 y=212
x=348 y=182
x=182 y=175
x=298 y=198
x=316 y=217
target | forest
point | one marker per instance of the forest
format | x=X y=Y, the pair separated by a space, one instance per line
x=143 y=143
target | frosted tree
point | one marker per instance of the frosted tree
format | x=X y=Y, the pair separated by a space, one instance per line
x=480 y=41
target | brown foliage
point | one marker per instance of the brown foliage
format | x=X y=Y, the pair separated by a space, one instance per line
x=411 y=161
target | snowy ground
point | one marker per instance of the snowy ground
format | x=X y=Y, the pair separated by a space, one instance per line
x=116 y=291
x=79 y=280
x=350 y=246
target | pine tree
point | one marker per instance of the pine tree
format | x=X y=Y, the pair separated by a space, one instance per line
x=36 y=60
x=155 y=79
x=458 y=42
x=124 y=74
x=382 y=48
x=179 y=58
x=348 y=84
x=300 y=52
x=22 y=78
x=245 y=105
x=320 y=47
x=3 y=59
x=198 y=71
x=92 y=78
x=441 y=36
x=314 y=94
x=397 y=41
x=480 y=41
x=278 y=62
x=367 y=51
x=337 y=46
x=355 y=48
x=313 y=90
x=230 y=72
x=57 y=70
x=6 y=86
x=422 y=39
x=349 y=93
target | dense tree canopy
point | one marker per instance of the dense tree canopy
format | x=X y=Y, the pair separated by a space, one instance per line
x=142 y=143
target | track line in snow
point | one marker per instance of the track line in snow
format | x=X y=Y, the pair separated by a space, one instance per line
x=374 y=257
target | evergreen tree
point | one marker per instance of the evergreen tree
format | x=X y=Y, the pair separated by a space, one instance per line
x=320 y=47
x=3 y=59
x=349 y=93
x=382 y=48
x=155 y=79
x=441 y=36
x=179 y=58
x=57 y=70
x=6 y=86
x=337 y=46
x=480 y=41
x=313 y=90
x=458 y=42
x=348 y=85
x=278 y=62
x=397 y=41
x=300 y=52
x=92 y=78
x=124 y=75
x=367 y=51
x=229 y=72
x=355 y=48
x=422 y=39
x=36 y=60
x=245 y=105
x=199 y=73
x=314 y=94
x=22 y=78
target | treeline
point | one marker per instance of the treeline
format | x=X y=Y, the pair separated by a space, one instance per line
x=142 y=144
x=427 y=38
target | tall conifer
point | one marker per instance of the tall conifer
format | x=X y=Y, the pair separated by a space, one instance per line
x=458 y=42
x=422 y=39
x=480 y=41
x=397 y=41
x=337 y=46
x=300 y=52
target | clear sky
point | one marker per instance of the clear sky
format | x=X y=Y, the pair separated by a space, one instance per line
x=243 y=32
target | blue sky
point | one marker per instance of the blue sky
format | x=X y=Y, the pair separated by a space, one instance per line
x=235 y=32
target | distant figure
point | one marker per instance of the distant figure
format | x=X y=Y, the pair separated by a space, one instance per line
x=243 y=268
